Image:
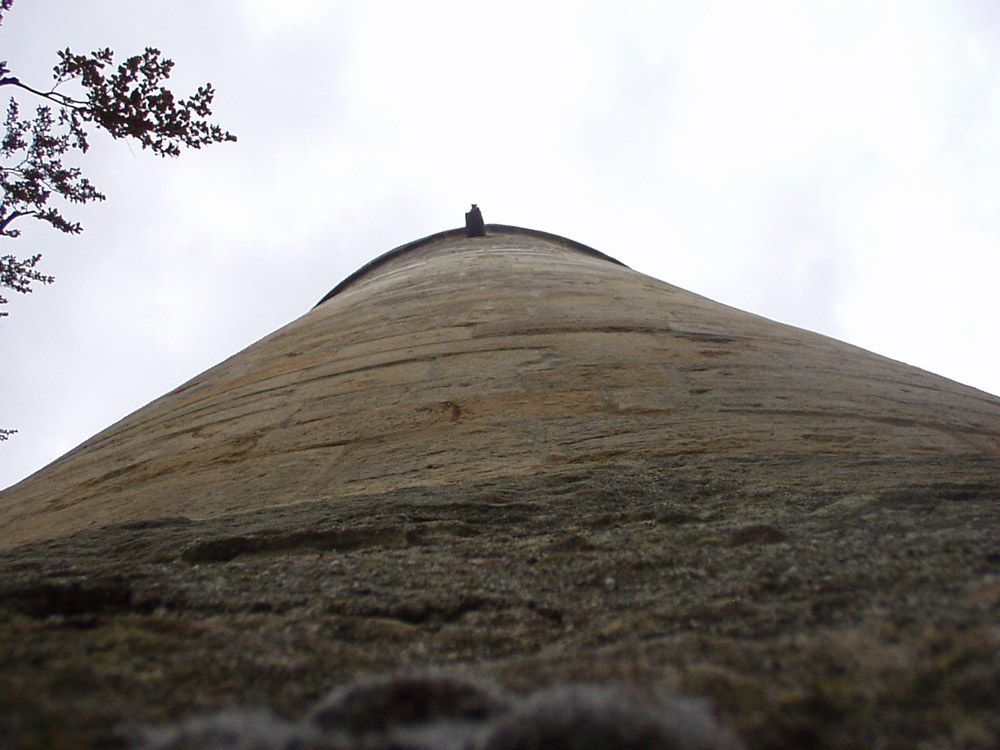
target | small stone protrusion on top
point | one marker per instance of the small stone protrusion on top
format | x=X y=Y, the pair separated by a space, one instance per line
x=474 y=226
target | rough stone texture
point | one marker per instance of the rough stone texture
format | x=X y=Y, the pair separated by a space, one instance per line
x=467 y=359
x=515 y=456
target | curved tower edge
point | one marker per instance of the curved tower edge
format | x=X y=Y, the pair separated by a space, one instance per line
x=396 y=252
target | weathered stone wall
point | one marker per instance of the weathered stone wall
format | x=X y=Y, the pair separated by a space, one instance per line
x=465 y=359
x=512 y=457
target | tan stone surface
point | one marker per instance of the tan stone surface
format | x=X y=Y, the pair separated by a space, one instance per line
x=460 y=359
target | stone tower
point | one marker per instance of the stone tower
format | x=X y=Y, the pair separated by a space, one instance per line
x=454 y=359
x=512 y=451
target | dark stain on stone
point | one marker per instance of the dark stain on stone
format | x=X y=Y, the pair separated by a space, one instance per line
x=761 y=533
x=454 y=409
x=712 y=338
x=68 y=598
x=340 y=540
x=155 y=523
x=432 y=532
x=417 y=610
x=939 y=492
x=570 y=543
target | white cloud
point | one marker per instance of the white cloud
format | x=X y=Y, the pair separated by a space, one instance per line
x=829 y=164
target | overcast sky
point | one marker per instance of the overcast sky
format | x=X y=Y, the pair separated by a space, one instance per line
x=833 y=165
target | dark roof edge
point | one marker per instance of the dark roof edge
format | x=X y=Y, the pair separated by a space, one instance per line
x=490 y=228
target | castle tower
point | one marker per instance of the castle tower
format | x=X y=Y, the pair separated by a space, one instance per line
x=457 y=359
x=498 y=450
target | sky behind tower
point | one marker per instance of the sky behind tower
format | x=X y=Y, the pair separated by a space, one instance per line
x=832 y=165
